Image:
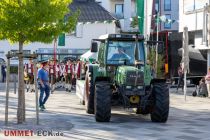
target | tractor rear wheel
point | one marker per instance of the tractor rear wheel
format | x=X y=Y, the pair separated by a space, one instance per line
x=160 y=111
x=89 y=101
x=102 y=102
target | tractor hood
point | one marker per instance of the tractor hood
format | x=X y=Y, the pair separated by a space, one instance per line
x=129 y=75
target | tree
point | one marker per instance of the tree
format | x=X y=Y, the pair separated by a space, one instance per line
x=160 y=64
x=25 y=21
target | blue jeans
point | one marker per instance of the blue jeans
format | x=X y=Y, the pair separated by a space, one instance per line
x=44 y=90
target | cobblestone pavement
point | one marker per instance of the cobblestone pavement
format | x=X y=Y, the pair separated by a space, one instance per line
x=188 y=120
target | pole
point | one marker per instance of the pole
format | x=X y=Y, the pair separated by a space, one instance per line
x=55 y=44
x=15 y=86
x=185 y=85
x=185 y=58
x=36 y=92
x=156 y=50
x=7 y=89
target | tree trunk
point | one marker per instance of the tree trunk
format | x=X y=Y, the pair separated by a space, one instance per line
x=21 y=89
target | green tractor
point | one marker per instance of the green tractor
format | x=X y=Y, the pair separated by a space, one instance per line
x=121 y=77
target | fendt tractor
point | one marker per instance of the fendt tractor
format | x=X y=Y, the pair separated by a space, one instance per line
x=121 y=77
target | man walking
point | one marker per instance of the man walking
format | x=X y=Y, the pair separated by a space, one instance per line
x=29 y=68
x=43 y=80
x=181 y=77
x=68 y=75
x=3 y=72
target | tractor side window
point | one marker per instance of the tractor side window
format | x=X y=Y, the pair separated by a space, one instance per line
x=141 y=51
x=101 y=53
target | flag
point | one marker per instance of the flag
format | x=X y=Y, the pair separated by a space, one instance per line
x=140 y=14
x=61 y=40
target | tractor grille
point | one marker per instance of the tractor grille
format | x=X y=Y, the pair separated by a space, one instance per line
x=133 y=77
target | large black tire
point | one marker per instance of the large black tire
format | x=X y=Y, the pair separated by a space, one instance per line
x=91 y=90
x=160 y=111
x=102 y=102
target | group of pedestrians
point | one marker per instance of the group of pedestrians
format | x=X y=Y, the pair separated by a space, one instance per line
x=64 y=75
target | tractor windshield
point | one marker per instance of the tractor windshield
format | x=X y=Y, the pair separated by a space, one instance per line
x=124 y=52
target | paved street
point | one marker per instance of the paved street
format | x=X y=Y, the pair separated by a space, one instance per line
x=187 y=120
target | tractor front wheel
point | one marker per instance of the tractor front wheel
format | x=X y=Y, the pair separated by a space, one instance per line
x=102 y=102
x=160 y=110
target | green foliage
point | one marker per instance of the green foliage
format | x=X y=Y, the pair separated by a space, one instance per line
x=160 y=71
x=160 y=64
x=134 y=22
x=35 y=20
x=13 y=69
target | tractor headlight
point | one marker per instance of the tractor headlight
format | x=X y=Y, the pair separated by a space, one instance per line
x=128 y=87
x=140 y=87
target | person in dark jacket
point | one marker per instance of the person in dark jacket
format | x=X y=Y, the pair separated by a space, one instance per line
x=181 y=77
x=3 y=72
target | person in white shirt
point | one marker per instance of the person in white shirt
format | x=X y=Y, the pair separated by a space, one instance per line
x=68 y=75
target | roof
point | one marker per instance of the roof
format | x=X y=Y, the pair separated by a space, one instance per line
x=90 y=11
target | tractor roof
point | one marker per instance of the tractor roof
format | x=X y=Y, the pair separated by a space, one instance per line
x=121 y=36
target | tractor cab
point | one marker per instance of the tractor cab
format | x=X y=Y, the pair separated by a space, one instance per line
x=119 y=49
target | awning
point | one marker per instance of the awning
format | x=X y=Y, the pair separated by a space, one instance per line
x=88 y=56
x=202 y=47
x=193 y=53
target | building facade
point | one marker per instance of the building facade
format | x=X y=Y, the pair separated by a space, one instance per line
x=193 y=16
x=169 y=9
x=123 y=10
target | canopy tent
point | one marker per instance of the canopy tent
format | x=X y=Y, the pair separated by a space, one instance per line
x=88 y=56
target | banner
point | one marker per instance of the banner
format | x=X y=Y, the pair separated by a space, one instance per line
x=140 y=13
x=61 y=40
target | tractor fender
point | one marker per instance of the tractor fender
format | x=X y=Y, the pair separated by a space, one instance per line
x=107 y=79
x=156 y=80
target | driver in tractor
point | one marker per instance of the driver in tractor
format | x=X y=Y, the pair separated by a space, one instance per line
x=120 y=55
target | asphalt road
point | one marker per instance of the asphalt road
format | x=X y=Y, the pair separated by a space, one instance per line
x=188 y=120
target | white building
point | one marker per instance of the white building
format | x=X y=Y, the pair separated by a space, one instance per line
x=123 y=10
x=94 y=21
x=192 y=15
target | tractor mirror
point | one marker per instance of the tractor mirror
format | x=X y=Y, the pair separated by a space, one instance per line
x=94 y=47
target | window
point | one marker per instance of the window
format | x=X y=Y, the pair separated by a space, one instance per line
x=167 y=5
x=119 y=10
x=79 y=30
x=167 y=25
x=120 y=52
x=2 y=54
x=156 y=6
x=190 y=6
